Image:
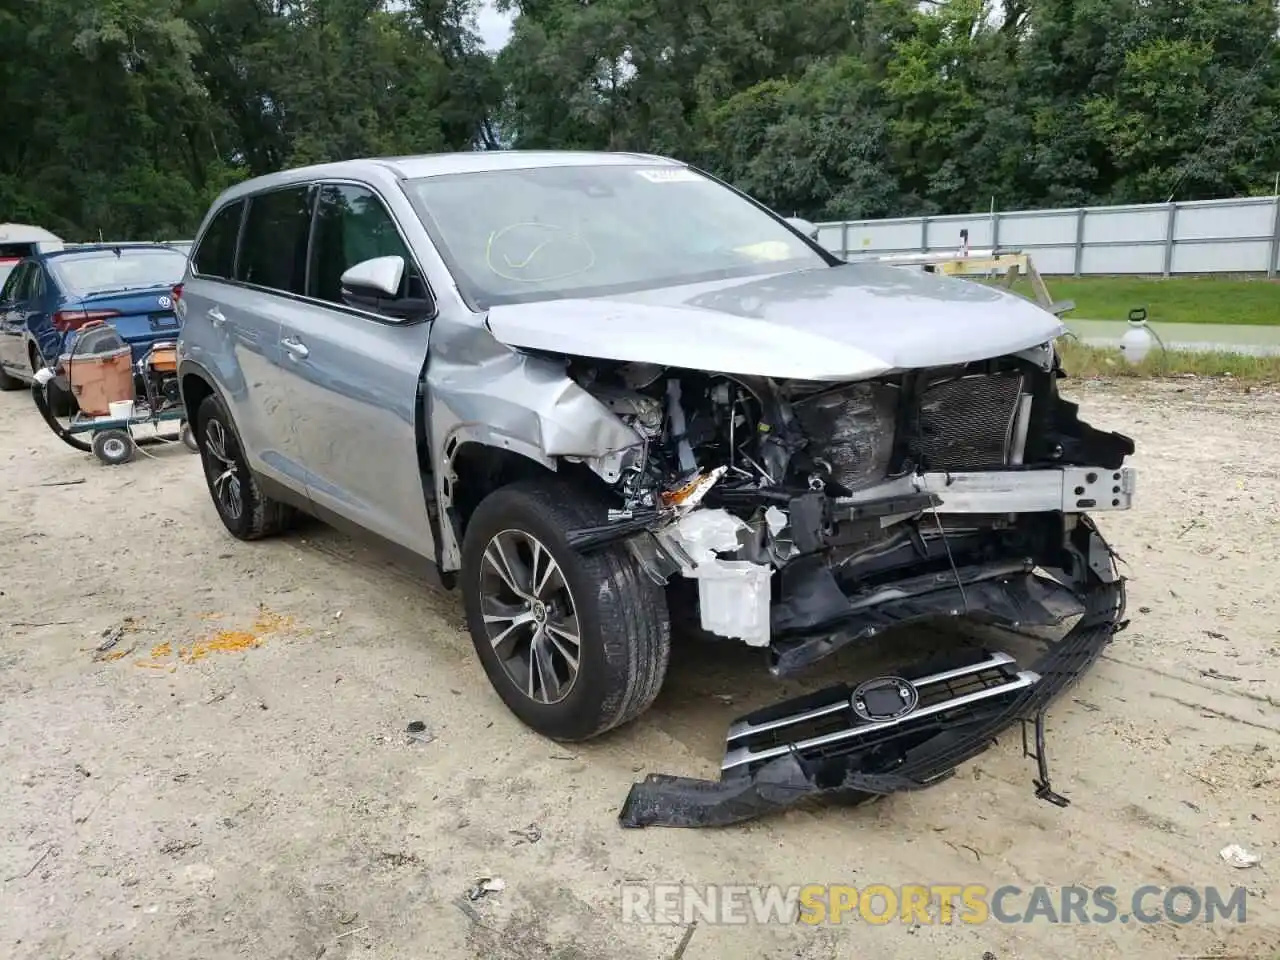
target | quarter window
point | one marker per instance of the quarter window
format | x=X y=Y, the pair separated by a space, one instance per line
x=15 y=283
x=273 y=252
x=352 y=226
x=31 y=283
x=216 y=254
x=35 y=283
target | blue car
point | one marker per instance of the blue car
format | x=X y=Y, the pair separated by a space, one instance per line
x=48 y=297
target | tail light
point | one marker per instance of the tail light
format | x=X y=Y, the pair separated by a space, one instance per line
x=176 y=292
x=67 y=320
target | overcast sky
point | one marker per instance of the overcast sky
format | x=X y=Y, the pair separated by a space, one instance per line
x=495 y=27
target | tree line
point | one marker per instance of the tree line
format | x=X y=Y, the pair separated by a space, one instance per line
x=123 y=118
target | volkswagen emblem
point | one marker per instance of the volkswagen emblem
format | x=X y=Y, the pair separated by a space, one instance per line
x=165 y=303
x=884 y=698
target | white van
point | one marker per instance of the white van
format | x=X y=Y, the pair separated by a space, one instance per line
x=19 y=240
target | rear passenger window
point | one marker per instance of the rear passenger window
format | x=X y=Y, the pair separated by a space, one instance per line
x=273 y=252
x=352 y=225
x=216 y=254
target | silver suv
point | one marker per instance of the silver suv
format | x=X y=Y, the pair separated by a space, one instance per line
x=606 y=392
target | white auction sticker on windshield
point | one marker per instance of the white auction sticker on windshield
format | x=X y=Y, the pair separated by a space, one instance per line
x=669 y=175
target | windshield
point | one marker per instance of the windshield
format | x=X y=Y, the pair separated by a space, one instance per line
x=6 y=267
x=548 y=233
x=104 y=271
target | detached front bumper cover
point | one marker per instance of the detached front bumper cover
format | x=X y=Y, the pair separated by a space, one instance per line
x=892 y=734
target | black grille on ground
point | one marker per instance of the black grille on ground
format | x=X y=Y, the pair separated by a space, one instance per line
x=967 y=423
x=824 y=724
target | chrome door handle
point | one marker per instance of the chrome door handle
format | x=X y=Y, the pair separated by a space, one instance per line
x=296 y=348
x=215 y=315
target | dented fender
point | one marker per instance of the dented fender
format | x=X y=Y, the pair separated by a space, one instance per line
x=512 y=401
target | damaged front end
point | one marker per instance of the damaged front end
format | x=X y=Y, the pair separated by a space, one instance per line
x=897 y=732
x=813 y=516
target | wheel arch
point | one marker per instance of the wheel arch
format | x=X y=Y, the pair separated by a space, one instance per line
x=196 y=384
x=476 y=462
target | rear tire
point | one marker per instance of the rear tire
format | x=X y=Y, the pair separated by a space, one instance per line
x=246 y=512
x=619 y=615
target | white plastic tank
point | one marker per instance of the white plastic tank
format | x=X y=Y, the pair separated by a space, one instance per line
x=1137 y=340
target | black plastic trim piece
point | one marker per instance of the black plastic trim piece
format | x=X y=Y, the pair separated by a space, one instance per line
x=662 y=800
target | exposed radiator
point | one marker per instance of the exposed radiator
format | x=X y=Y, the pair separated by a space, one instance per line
x=967 y=423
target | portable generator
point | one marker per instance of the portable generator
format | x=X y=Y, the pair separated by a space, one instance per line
x=113 y=394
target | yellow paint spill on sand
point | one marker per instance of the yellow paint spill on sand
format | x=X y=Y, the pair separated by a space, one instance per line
x=224 y=641
x=266 y=624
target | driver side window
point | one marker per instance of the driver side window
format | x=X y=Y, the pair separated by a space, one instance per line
x=352 y=226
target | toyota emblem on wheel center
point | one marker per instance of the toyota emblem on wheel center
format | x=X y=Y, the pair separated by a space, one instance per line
x=884 y=698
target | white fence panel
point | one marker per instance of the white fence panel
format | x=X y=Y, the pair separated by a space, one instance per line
x=1197 y=222
x=944 y=232
x=1202 y=236
x=1054 y=227
x=898 y=236
x=1210 y=256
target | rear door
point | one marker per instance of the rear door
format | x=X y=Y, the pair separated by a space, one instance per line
x=226 y=335
x=13 y=319
x=41 y=296
x=352 y=377
x=271 y=275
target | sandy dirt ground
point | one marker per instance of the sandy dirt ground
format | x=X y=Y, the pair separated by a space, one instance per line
x=233 y=778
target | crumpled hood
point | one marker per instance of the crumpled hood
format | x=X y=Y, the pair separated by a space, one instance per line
x=832 y=323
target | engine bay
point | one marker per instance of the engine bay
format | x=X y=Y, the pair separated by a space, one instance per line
x=815 y=514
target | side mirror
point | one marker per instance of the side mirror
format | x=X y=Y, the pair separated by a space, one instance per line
x=804 y=226
x=375 y=285
x=381 y=275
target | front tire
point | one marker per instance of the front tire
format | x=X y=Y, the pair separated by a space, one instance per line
x=575 y=644
x=246 y=512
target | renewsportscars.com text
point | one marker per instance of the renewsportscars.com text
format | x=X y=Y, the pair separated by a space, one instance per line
x=816 y=904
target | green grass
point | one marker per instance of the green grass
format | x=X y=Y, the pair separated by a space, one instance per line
x=1172 y=300
x=1086 y=362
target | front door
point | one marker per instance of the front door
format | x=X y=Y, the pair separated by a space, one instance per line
x=352 y=378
